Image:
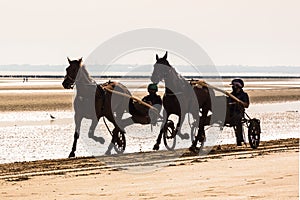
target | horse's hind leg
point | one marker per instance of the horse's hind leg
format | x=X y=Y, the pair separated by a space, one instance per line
x=76 y=134
x=200 y=135
x=116 y=122
x=114 y=139
x=201 y=132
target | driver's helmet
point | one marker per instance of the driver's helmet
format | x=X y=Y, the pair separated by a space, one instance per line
x=152 y=86
x=238 y=82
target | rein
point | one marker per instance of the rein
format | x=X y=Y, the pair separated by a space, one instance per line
x=131 y=97
x=91 y=82
x=203 y=83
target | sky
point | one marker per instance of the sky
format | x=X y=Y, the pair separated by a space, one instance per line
x=238 y=32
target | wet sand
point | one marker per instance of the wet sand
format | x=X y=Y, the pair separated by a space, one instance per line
x=20 y=169
x=60 y=99
x=250 y=175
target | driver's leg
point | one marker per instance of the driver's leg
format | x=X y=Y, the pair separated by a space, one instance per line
x=239 y=133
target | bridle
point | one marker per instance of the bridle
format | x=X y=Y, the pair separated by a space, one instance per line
x=69 y=77
x=164 y=73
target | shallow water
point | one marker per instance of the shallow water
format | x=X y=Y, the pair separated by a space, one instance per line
x=141 y=82
x=26 y=136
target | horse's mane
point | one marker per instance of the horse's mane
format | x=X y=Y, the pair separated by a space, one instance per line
x=179 y=76
x=85 y=74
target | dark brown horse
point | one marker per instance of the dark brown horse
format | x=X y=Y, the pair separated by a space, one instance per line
x=180 y=98
x=93 y=102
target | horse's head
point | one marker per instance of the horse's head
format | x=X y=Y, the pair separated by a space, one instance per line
x=72 y=71
x=161 y=67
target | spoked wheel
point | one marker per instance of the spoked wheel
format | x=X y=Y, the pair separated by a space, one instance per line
x=120 y=142
x=169 y=135
x=194 y=132
x=254 y=133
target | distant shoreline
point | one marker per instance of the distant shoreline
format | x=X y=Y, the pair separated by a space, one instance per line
x=147 y=77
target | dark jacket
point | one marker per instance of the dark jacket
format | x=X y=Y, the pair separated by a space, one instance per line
x=234 y=106
x=152 y=99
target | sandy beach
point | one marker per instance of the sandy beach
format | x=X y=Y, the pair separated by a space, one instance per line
x=266 y=175
x=69 y=132
x=248 y=175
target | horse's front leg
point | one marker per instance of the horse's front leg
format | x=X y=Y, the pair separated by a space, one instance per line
x=91 y=134
x=184 y=136
x=158 y=140
x=77 y=120
x=201 y=132
x=117 y=122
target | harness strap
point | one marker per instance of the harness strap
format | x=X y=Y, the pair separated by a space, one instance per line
x=130 y=97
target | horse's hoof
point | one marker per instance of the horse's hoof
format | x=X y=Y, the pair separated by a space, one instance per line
x=156 y=147
x=72 y=155
x=101 y=140
x=193 y=149
x=107 y=153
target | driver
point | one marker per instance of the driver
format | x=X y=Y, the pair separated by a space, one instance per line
x=141 y=113
x=236 y=110
x=152 y=98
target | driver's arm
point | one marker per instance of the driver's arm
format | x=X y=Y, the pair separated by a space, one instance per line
x=245 y=101
x=245 y=104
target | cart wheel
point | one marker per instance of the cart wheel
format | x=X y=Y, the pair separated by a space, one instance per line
x=194 y=132
x=120 y=142
x=169 y=135
x=254 y=133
